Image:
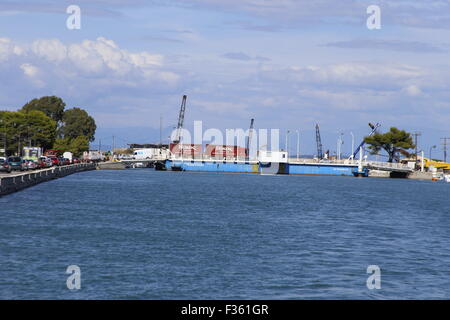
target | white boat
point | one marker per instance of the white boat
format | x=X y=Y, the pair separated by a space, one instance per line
x=447 y=177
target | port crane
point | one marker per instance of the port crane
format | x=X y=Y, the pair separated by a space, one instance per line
x=374 y=128
x=249 y=140
x=180 y=120
x=319 y=143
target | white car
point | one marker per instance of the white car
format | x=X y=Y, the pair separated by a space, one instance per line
x=31 y=165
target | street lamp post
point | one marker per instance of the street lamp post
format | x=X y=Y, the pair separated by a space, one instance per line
x=287 y=141
x=353 y=145
x=431 y=148
x=337 y=149
x=298 y=145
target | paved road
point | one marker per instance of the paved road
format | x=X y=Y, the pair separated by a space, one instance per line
x=12 y=174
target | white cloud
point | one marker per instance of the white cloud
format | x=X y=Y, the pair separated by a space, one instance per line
x=29 y=70
x=101 y=57
x=145 y=60
x=8 y=49
x=52 y=50
x=103 y=54
x=359 y=74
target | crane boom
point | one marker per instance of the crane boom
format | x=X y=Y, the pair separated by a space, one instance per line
x=319 y=143
x=374 y=130
x=180 y=120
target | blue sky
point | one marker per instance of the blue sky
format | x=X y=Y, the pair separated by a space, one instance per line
x=286 y=63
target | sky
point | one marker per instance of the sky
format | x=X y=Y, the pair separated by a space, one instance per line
x=289 y=64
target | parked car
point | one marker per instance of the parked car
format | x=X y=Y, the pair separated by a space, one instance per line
x=16 y=163
x=76 y=160
x=45 y=162
x=31 y=165
x=25 y=164
x=54 y=160
x=4 y=166
x=63 y=161
x=49 y=163
x=41 y=163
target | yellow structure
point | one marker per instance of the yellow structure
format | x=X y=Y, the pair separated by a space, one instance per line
x=444 y=166
x=437 y=164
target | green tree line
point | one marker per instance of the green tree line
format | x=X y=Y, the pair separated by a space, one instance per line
x=44 y=122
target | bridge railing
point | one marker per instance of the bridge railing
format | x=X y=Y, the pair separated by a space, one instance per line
x=391 y=165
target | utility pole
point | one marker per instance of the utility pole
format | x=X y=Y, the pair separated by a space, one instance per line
x=416 y=135
x=113 y=147
x=160 y=129
x=444 y=147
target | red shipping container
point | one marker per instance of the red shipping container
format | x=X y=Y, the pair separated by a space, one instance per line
x=240 y=152
x=224 y=151
x=186 y=149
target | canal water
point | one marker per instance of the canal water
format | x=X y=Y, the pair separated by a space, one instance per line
x=141 y=234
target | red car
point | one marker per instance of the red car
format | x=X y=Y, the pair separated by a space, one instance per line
x=55 y=160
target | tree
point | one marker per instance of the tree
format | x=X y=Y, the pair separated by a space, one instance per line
x=52 y=106
x=31 y=128
x=392 y=142
x=77 y=122
x=77 y=146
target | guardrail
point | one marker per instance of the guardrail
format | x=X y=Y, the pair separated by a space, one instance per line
x=316 y=161
x=16 y=182
x=388 y=165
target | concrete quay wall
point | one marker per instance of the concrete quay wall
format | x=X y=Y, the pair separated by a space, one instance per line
x=16 y=182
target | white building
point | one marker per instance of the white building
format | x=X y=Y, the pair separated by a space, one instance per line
x=273 y=156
